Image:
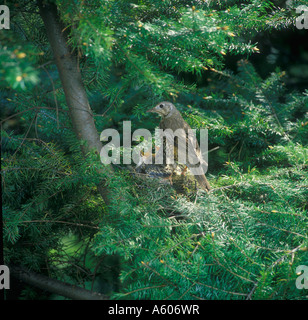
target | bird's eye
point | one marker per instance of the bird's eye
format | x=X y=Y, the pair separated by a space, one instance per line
x=161 y=105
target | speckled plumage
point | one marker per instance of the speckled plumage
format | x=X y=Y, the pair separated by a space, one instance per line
x=172 y=119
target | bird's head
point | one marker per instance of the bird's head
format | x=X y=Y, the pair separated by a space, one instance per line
x=164 y=109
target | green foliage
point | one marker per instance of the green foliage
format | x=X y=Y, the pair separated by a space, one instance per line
x=15 y=67
x=150 y=42
x=243 y=240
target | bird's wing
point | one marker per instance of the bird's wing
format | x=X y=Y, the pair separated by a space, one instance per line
x=195 y=162
x=187 y=149
x=204 y=184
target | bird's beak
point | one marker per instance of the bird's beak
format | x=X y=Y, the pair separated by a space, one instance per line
x=152 y=110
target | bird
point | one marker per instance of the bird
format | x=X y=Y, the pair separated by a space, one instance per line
x=158 y=171
x=173 y=120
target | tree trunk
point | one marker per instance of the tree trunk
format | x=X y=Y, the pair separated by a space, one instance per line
x=75 y=94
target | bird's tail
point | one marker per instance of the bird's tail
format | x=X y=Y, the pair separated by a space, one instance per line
x=202 y=181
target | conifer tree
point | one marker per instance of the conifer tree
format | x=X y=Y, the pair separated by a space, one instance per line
x=111 y=61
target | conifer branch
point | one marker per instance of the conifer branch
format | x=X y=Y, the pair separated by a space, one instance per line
x=54 y=286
